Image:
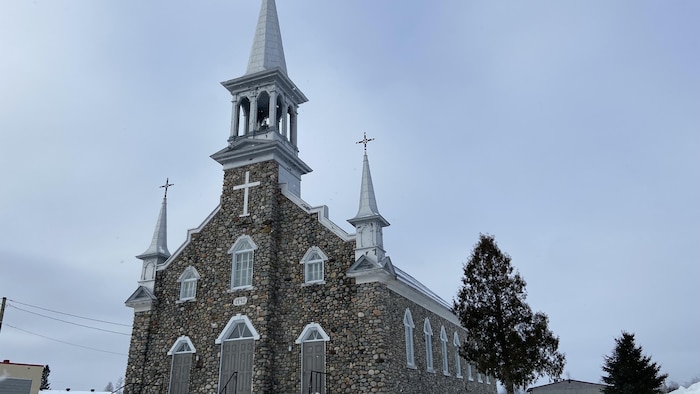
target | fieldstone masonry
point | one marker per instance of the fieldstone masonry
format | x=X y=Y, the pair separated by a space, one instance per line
x=360 y=313
x=366 y=350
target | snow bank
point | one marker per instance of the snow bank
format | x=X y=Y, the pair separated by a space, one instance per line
x=693 y=389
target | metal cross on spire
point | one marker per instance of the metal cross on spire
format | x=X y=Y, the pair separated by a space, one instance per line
x=166 y=186
x=365 y=140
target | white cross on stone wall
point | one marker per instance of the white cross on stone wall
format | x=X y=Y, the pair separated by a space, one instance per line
x=246 y=186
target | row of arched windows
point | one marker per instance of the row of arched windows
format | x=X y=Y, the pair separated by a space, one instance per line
x=242 y=263
x=409 y=327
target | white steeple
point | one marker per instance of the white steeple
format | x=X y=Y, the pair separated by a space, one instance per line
x=157 y=252
x=267 y=52
x=368 y=221
x=264 y=113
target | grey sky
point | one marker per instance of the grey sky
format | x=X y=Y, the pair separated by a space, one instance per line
x=569 y=130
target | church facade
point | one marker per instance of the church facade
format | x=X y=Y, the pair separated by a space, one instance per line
x=268 y=295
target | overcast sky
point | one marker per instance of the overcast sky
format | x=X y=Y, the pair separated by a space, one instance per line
x=568 y=130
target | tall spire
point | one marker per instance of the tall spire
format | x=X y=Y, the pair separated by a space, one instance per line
x=369 y=242
x=368 y=202
x=159 y=243
x=267 y=52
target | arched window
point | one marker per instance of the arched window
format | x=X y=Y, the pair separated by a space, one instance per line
x=242 y=264
x=428 y=333
x=313 y=261
x=188 y=284
x=313 y=358
x=237 y=342
x=443 y=341
x=408 y=329
x=458 y=359
x=182 y=351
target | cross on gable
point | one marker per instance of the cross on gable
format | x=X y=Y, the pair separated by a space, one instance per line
x=166 y=186
x=364 y=141
x=246 y=186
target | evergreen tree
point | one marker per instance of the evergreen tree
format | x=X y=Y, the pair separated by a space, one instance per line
x=503 y=336
x=630 y=372
x=45 y=385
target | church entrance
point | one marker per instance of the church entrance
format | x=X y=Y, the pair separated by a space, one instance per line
x=236 y=374
x=180 y=374
x=313 y=355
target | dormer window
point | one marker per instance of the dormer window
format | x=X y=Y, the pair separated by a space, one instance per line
x=242 y=262
x=314 y=261
x=188 y=284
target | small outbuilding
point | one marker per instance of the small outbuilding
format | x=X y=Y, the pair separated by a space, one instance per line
x=16 y=378
x=568 y=386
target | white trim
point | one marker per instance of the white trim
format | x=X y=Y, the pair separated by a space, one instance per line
x=428 y=336
x=306 y=260
x=229 y=327
x=245 y=237
x=177 y=343
x=443 y=348
x=322 y=212
x=190 y=232
x=458 y=359
x=309 y=327
x=421 y=299
x=235 y=250
x=189 y=274
x=408 y=327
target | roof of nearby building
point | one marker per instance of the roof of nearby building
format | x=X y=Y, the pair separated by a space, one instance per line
x=566 y=382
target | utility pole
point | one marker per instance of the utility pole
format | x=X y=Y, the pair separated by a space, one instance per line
x=2 y=310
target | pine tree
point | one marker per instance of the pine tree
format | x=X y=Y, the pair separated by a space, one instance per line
x=629 y=371
x=45 y=385
x=503 y=336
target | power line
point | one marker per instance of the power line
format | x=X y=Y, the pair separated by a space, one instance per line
x=67 y=343
x=69 y=322
x=68 y=314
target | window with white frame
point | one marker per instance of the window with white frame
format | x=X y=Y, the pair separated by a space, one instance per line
x=188 y=284
x=428 y=333
x=443 y=341
x=458 y=359
x=408 y=329
x=313 y=262
x=242 y=262
x=470 y=376
x=181 y=353
x=478 y=377
x=488 y=380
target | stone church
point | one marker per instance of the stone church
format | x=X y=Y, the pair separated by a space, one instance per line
x=268 y=295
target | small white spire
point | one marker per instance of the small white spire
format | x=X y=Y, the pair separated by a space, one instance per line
x=267 y=52
x=369 y=242
x=159 y=244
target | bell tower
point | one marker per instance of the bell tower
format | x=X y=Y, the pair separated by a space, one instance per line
x=264 y=118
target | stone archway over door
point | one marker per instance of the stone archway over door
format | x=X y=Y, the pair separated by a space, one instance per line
x=313 y=367
x=237 y=366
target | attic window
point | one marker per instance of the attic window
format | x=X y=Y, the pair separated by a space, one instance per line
x=188 y=284
x=314 y=261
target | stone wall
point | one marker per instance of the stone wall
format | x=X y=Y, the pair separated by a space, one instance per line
x=366 y=350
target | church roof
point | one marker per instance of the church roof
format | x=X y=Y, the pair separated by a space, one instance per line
x=267 y=52
x=159 y=243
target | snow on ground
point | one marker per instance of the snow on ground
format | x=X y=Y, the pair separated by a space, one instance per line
x=64 y=391
x=693 y=389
